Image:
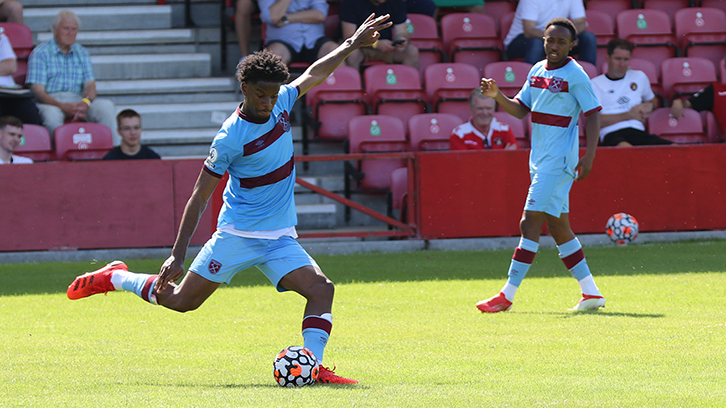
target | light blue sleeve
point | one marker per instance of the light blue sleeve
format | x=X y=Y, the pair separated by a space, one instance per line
x=525 y=94
x=221 y=154
x=582 y=91
x=287 y=97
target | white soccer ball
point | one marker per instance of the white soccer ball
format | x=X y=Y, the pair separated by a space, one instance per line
x=622 y=228
x=296 y=366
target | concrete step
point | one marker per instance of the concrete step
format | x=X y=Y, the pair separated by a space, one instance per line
x=129 y=37
x=159 y=91
x=182 y=115
x=103 y=18
x=149 y=66
x=315 y=216
x=170 y=137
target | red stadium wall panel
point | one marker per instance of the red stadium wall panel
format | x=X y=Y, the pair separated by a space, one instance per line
x=481 y=194
x=85 y=205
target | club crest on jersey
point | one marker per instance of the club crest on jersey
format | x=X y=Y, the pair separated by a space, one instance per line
x=633 y=86
x=214 y=266
x=555 y=85
x=285 y=122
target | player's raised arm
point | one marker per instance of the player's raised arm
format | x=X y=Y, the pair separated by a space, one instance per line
x=366 y=35
x=490 y=88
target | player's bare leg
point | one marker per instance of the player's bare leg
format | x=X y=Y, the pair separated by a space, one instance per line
x=573 y=257
x=310 y=282
x=188 y=295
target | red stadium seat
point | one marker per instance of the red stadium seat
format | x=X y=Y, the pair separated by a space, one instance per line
x=425 y=35
x=687 y=129
x=375 y=134
x=334 y=101
x=722 y=71
x=21 y=39
x=505 y=23
x=590 y=69
x=471 y=38
x=394 y=90
x=669 y=6
x=448 y=86
x=510 y=75
x=713 y=128
x=36 y=143
x=82 y=141
x=702 y=33
x=601 y=24
x=650 y=31
x=496 y=9
x=611 y=7
x=718 y=4
x=686 y=76
x=517 y=126
x=399 y=192
x=431 y=131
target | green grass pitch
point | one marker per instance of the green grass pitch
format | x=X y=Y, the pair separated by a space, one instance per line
x=405 y=326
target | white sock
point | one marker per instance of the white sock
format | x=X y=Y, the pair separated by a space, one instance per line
x=509 y=290
x=588 y=286
x=117 y=278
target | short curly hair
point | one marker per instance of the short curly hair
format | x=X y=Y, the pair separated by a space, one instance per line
x=565 y=23
x=262 y=66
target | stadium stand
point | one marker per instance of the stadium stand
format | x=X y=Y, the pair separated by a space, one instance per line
x=687 y=129
x=36 y=144
x=510 y=75
x=431 y=131
x=611 y=7
x=465 y=44
x=518 y=127
x=82 y=141
x=685 y=76
x=669 y=6
x=399 y=192
x=448 y=86
x=650 y=31
x=601 y=24
x=21 y=39
x=702 y=33
x=425 y=35
x=394 y=90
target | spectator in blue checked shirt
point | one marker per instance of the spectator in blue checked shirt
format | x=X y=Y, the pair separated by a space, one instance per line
x=61 y=77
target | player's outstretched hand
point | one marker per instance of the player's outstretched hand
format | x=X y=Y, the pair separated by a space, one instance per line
x=171 y=270
x=489 y=87
x=367 y=34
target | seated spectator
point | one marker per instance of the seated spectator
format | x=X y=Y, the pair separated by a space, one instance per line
x=11 y=11
x=525 y=37
x=11 y=135
x=243 y=25
x=393 y=46
x=462 y=6
x=129 y=127
x=427 y=7
x=626 y=99
x=482 y=131
x=14 y=100
x=61 y=77
x=295 y=29
x=711 y=98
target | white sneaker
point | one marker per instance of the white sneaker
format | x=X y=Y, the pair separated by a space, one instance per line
x=589 y=302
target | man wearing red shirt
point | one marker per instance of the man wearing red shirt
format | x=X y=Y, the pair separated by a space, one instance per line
x=482 y=131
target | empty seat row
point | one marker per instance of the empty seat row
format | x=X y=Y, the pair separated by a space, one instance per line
x=72 y=141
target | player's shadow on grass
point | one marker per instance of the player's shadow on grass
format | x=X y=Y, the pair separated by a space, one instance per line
x=571 y=314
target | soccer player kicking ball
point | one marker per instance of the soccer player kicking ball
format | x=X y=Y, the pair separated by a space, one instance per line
x=256 y=225
x=557 y=89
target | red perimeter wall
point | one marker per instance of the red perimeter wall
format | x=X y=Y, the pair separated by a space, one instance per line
x=481 y=194
x=468 y=194
x=66 y=205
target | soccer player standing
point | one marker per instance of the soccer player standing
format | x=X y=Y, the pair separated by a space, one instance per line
x=256 y=226
x=556 y=91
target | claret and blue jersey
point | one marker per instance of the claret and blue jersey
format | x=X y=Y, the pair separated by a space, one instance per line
x=555 y=98
x=259 y=158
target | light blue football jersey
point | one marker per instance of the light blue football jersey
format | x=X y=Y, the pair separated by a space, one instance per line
x=555 y=98
x=259 y=158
